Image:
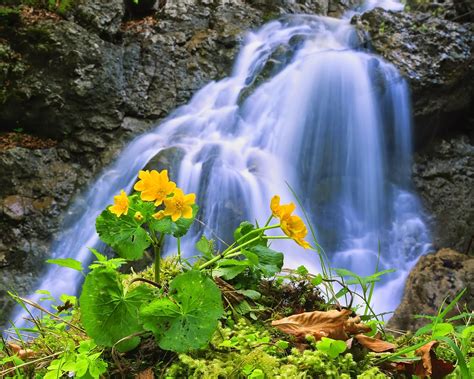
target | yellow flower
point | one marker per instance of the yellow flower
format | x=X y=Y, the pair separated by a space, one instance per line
x=138 y=216
x=278 y=210
x=154 y=186
x=120 y=206
x=159 y=215
x=179 y=205
x=293 y=226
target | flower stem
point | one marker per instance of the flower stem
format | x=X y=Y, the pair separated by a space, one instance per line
x=179 y=249
x=157 y=245
x=259 y=230
x=227 y=253
x=268 y=221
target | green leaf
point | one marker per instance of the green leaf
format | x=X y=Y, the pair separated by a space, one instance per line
x=343 y=273
x=452 y=304
x=282 y=344
x=245 y=232
x=465 y=371
x=331 y=347
x=205 y=247
x=270 y=261
x=97 y=368
x=100 y=257
x=229 y=272
x=178 y=228
x=233 y=262
x=66 y=262
x=317 y=280
x=123 y=234
x=424 y=330
x=110 y=313
x=302 y=271
x=188 y=318
x=341 y=292
x=467 y=331
x=442 y=329
x=251 y=294
x=252 y=257
x=243 y=307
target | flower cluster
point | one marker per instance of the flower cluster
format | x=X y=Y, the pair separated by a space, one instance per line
x=156 y=187
x=292 y=225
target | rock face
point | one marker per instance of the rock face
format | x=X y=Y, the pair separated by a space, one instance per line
x=91 y=79
x=444 y=177
x=435 y=55
x=435 y=277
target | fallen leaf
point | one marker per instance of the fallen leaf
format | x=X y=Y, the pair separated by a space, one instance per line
x=374 y=344
x=428 y=365
x=22 y=353
x=26 y=353
x=333 y=324
x=354 y=326
x=146 y=374
x=14 y=347
x=424 y=352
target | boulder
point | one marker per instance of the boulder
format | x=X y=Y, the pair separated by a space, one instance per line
x=35 y=187
x=435 y=280
x=435 y=56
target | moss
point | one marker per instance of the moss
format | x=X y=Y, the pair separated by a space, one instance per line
x=11 y=68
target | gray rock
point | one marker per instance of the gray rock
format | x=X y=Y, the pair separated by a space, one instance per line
x=435 y=278
x=435 y=55
x=104 y=17
x=35 y=187
x=444 y=177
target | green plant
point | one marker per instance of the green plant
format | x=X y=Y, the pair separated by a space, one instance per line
x=331 y=347
x=58 y=6
x=458 y=339
x=177 y=305
x=83 y=362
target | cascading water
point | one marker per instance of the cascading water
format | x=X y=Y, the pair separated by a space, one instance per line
x=305 y=106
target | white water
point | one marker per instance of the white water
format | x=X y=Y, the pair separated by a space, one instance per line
x=331 y=120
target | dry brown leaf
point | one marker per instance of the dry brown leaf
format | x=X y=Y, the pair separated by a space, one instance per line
x=26 y=353
x=424 y=352
x=428 y=366
x=374 y=344
x=334 y=324
x=354 y=326
x=22 y=353
x=146 y=374
x=14 y=347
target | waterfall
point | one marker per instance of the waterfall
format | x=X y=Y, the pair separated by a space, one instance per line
x=304 y=105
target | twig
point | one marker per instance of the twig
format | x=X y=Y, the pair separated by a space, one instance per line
x=33 y=304
x=7 y=371
x=151 y=282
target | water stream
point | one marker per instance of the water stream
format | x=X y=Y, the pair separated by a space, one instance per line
x=305 y=104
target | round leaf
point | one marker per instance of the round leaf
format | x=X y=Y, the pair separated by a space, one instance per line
x=124 y=234
x=187 y=319
x=108 y=313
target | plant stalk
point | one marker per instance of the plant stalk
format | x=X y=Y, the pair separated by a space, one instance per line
x=157 y=244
